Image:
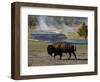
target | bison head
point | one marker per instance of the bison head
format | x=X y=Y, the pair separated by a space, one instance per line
x=50 y=50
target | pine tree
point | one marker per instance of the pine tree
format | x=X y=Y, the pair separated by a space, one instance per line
x=83 y=31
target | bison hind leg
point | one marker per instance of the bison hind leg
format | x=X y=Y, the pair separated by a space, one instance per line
x=60 y=56
x=69 y=55
x=74 y=55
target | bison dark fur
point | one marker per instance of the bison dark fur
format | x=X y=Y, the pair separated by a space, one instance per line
x=58 y=48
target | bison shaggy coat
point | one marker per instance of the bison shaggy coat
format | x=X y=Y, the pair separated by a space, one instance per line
x=58 y=48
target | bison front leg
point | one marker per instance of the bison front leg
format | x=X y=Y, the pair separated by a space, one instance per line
x=55 y=54
x=60 y=54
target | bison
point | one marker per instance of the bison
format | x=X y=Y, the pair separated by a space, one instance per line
x=58 y=48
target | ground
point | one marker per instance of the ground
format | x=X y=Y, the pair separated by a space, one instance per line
x=38 y=56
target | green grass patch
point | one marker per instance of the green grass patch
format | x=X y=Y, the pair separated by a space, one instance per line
x=37 y=45
x=42 y=46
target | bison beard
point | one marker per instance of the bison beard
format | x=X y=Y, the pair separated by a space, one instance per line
x=58 y=48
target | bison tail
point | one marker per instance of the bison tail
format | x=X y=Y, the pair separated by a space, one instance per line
x=74 y=48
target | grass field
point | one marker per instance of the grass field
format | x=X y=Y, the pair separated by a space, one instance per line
x=38 y=56
x=37 y=45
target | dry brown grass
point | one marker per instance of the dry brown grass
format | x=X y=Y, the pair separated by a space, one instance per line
x=38 y=56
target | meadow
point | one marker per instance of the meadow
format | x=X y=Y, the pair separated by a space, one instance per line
x=38 y=56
